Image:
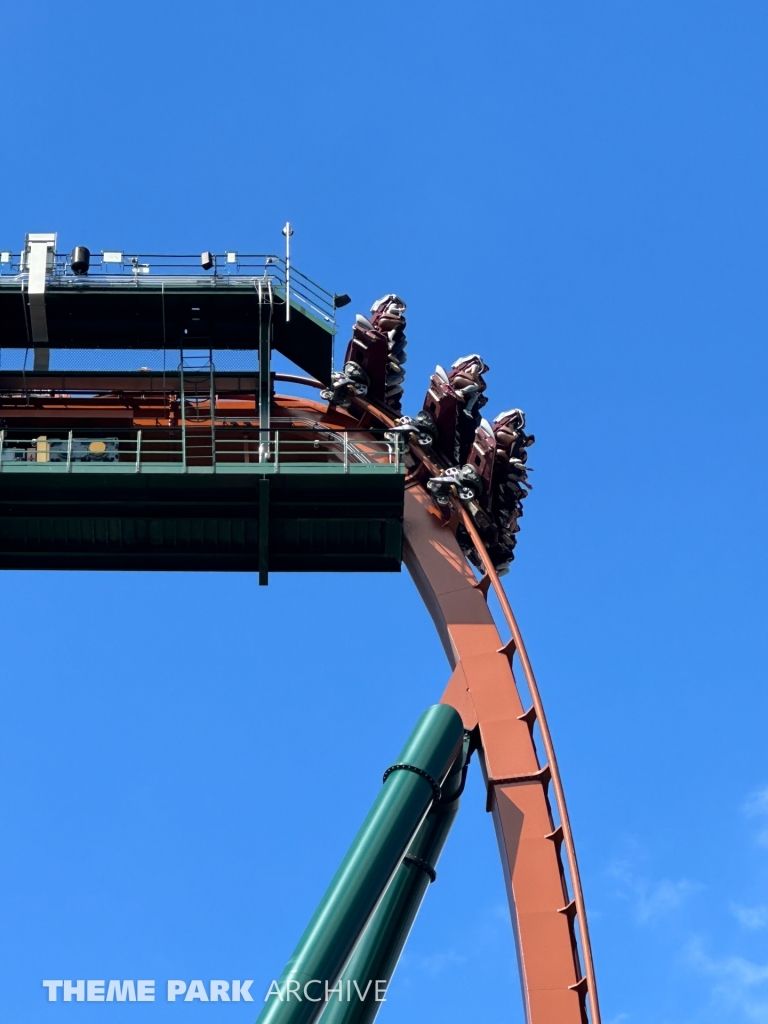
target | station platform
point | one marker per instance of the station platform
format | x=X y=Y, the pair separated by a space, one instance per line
x=167 y=302
x=188 y=467
x=302 y=499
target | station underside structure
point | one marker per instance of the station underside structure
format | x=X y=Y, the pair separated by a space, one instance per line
x=142 y=426
x=310 y=494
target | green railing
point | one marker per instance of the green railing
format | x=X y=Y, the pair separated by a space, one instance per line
x=195 y=449
x=229 y=270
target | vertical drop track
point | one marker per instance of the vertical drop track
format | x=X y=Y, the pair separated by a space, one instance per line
x=535 y=840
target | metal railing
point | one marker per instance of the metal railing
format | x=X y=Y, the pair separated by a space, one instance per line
x=195 y=449
x=228 y=270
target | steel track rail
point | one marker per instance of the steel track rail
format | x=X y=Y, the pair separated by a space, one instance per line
x=546 y=736
x=484 y=691
x=518 y=645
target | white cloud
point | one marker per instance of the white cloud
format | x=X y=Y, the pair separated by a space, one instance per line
x=651 y=899
x=500 y=912
x=437 y=962
x=750 y=917
x=756 y=806
x=740 y=986
x=657 y=898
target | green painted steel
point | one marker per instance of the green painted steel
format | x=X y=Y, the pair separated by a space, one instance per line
x=403 y=803
x=376 y=955
x=253 y=469
x=263 y=532
x=156 y=317
x=202 y=521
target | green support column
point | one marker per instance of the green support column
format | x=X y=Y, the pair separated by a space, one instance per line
x=405 y=799
x=371 y=966
x=264 y=532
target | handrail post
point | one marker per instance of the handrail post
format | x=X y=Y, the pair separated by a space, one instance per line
x=69 y=452
x=287 y=231
x=346 y=452
x=2 y=446
x=277 y=451
x=138 y=452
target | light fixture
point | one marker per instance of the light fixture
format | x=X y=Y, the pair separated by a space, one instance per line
x=80 y=260
x=341 y=300
x=111 y=256
x=207 y=259
x=231 y=257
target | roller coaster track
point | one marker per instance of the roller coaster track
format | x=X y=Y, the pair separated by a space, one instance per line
x=546 y=901
x=544 y=888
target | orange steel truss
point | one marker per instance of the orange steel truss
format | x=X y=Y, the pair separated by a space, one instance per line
x=544 y=888
x=534 y=835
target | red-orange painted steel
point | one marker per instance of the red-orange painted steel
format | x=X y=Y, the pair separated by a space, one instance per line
x=576 y=909
x=547 y=920
x=545 y=917
x=482 y=688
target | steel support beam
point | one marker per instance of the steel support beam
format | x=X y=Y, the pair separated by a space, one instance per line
x=371 y=966
x=263 y=532
x=403 y=803
x=483 y=689
x=39 y=252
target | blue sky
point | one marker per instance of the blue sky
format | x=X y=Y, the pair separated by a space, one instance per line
x=577 y=191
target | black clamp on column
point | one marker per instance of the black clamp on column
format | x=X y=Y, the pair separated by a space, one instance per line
x=423 y=864
x=418 y=771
